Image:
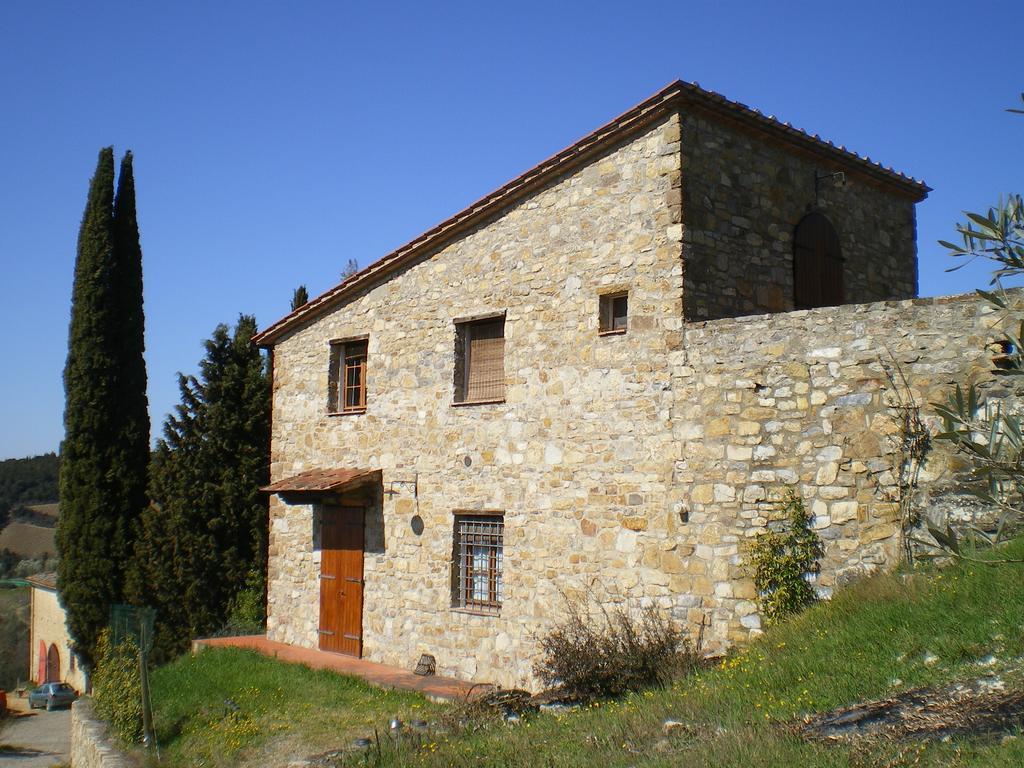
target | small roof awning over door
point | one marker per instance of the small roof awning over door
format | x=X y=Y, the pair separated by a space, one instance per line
x=320 y=482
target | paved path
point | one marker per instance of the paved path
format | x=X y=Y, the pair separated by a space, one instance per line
x=39 y=738
x=381 y=675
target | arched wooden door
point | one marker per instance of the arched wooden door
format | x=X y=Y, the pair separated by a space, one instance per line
x=53 y=665
x=817 y=264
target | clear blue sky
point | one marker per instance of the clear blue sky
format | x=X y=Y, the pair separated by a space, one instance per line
x=273 y=141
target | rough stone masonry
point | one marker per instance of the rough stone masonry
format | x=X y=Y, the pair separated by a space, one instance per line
x=627 y=467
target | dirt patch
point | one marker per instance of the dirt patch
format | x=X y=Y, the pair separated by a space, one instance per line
x=982 y=708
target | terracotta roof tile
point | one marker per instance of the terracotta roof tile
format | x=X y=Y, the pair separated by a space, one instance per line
x=675 y=96
x=44 y=580
x=321 y=480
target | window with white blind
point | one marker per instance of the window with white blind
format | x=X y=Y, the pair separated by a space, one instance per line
x=477 y=554
x=480 y=361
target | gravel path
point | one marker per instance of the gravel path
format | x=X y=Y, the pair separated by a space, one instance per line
x=37 y=739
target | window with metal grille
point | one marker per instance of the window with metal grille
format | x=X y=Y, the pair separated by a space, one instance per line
x=614 y=309
x=480 y=361
x=347 y=380
x=477 y=581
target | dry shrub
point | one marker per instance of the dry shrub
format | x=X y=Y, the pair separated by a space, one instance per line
x=603 y=653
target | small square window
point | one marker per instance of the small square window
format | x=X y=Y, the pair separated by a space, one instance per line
x=480 y=361
x=477 y=553
x=614 y=309
x=347 y=378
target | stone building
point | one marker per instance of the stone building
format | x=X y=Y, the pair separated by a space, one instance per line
x=51 y=657
x=597 y=381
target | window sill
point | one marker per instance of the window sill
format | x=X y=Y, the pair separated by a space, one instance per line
x=476 y=612
x=616 y=332
x=353 y=412
x=463 y=403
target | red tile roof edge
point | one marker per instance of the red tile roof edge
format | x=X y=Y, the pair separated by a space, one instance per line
x=44 y=580
x=634 y=119
x=318 y=480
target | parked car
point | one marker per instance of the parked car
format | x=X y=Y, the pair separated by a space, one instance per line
x=52 y=695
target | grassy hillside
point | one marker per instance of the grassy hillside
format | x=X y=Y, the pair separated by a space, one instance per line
x=27 y=481
x=13 y=636
x=882 y=636
x=232 y=707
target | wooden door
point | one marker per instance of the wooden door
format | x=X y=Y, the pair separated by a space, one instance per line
x=341 y=580
x=817 y=263
x=53 y=665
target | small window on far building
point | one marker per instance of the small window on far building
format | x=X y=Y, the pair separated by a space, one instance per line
x=614 y=308
x=477 y=553
x=480 y=360
x=347 y=378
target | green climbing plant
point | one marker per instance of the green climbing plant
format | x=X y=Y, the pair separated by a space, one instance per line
x=782 y=558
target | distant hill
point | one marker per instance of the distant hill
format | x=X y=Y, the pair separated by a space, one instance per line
x=28 y=542
x=27 y=481
x=44 y=515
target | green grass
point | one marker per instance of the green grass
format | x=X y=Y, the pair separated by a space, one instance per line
x=870 y=641
x=14 y=633
x=283 y=710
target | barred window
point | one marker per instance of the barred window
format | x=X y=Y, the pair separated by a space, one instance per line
x=477 y=581
x=480 y=361
x=347 y=378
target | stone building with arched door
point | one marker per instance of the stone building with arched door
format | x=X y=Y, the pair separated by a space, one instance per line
x=51 y=657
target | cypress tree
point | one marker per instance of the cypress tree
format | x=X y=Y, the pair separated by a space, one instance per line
x=206 y=529
x=300 y=297
x=105 y=452
x=129 y=343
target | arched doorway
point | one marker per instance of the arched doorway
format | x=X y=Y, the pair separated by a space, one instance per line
x=53 y=665
x=817 y=264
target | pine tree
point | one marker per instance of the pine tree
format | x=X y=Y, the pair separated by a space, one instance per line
x=351 y=268
x=206 y=530
x=102 y=468
x=300 y=297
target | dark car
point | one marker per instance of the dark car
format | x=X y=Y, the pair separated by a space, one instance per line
x=52 y=695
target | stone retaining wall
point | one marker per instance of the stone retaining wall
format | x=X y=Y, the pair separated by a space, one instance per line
x=91 y=746
x=803 y=400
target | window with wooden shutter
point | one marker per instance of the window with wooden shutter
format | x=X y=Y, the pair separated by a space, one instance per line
x=480 y=361
x=817 y=264
x=347 y=377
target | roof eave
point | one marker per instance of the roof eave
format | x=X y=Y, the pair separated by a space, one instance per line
x=665 y=101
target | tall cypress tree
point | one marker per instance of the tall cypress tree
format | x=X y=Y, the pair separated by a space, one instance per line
x=130 y=345
x=100 y=466
x=206 y=530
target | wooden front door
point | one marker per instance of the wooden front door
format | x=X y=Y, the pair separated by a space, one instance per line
x=341 y=580
x=52 y=665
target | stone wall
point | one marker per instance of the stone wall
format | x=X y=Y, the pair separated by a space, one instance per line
x=802 y=400
x=742 y=200
x=578 y=456
x=91 y=746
